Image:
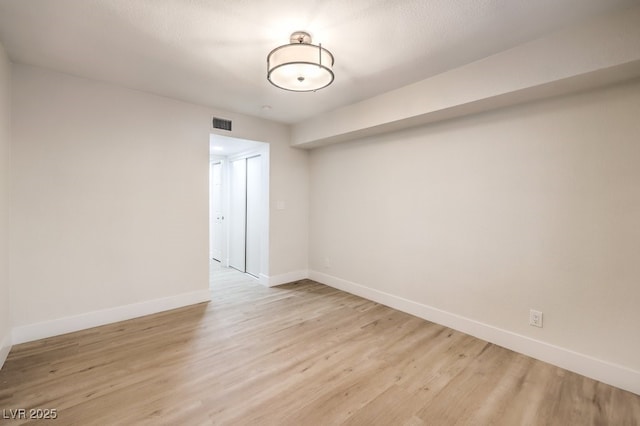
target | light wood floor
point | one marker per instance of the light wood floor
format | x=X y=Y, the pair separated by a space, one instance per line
x=300 y=354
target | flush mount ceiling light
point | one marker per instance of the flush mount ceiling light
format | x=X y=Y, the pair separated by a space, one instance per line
x=300 y=66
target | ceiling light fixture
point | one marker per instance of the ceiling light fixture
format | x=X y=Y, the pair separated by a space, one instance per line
x=300 y=66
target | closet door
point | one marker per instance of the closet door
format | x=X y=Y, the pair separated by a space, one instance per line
x=254 y=201
x=238 y=215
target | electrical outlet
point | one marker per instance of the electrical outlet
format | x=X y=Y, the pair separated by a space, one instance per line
x=327 y=263
x=535 y=318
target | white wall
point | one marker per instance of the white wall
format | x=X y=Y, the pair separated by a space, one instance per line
x=289 y=213
x=5 y=97
x=110 y=196
x=484 y=217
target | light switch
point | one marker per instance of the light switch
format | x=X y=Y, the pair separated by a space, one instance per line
x=280 y=205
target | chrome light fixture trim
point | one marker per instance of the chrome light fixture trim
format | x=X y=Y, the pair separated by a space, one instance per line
x=300 y=66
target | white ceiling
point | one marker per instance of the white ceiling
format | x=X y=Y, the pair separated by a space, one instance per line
x=213 y=52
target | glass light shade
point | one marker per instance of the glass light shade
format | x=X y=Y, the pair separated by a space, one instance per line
x=300 y=67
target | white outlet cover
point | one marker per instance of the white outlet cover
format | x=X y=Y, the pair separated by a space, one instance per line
x=535 y=318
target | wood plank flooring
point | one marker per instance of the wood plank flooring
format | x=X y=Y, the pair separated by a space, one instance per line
x=299 y=354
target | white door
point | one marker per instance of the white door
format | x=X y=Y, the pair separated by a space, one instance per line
x=217 y=217
x=254 y=224
x=237 y=215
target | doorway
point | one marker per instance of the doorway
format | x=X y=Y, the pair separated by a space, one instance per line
x=238 y=206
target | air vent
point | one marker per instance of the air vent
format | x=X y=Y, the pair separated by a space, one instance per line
x=221 y=123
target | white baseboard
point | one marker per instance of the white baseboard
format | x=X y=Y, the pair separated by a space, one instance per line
x=272 y=281
x=41 y=330
x=606 y=372
x=5 y=348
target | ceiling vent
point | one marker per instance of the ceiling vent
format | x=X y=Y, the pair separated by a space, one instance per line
x=221 y=123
